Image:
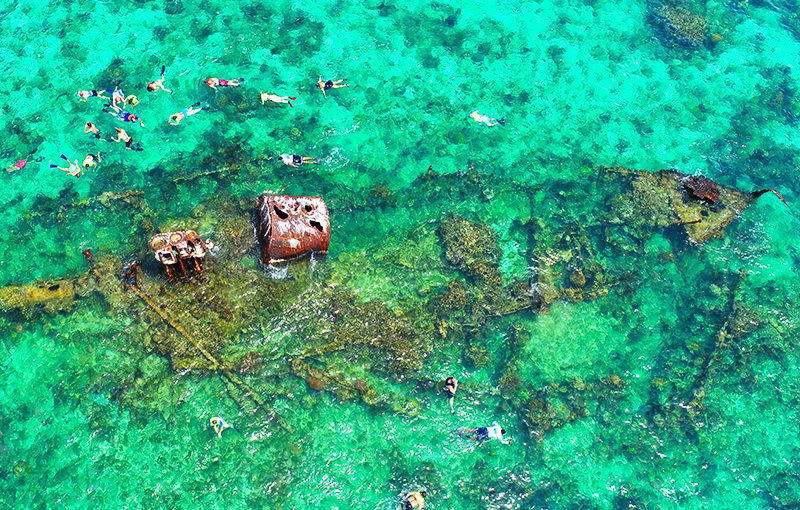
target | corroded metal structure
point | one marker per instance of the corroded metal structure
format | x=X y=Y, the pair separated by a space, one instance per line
x=702 y=188
x=174 y=248
x=289 y=227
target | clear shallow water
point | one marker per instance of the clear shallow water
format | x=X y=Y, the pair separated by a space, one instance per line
x=95 y=415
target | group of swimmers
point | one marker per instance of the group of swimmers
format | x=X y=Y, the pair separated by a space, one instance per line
x=118 y=105
x=416 y=499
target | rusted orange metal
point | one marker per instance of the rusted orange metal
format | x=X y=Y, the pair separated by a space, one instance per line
x=290 y=227
x=172 y=248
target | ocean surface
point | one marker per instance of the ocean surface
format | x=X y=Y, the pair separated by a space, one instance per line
x=631 y=367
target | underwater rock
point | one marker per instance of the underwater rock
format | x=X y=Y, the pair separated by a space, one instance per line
x=382 y=196
x=565 y=265
x=113 y=75
x=173 y=7
x=577 y=279
x=685 y=26
x=668 y=197
x=22 y=469
x=560 y=403
x=314 y=383
x=289 y=227
x=453 y=298
x=472 y=247
x=347 y=388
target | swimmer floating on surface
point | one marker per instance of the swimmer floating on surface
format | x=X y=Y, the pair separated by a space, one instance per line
x=219 y=425
x=450 y=388
x=484 y=119
x=295 y=160
x=84 y=95
x=266 y=96
x=330 y=84
x=91 y=161
x=117 y=96
x=414 y=500
x=91 y=128
x=484 y=433
x=121 y=114
x=176 y=118
x=155 y=86
x=214 y=82
x=74 y=169
x=123 y=136
x=17 y=165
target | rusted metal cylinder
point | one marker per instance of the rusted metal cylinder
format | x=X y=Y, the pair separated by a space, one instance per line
x=289 y=227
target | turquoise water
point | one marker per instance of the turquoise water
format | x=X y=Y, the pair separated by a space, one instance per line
x=627 y=399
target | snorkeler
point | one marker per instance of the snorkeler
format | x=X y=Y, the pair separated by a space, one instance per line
x=450 y=387
x=176 y=118
x=295 y=160
x=121 y=114
x=154 y=86
x=91 y=161
x=16 y=165
x=123 y=136
x=219 y=425
x=266 y=96
x=214 y=82
x=91 y=128
x=74 y=169
x=484 y=119
x=484 y=433
x=131 y=100
x=414 y=500
x=117 y=96
x=330 y=84
x=84 y=95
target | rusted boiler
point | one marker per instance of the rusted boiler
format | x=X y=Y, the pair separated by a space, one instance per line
x=289 y=227
x=179 y=249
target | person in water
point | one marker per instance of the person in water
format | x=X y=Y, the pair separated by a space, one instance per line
x=484 y=433
x=91 y=128
x=266 y=96
x=73 y=169
x=84 y=95
x=450 y=388
x=121 y=114
x=123 y=136
x=16 y=165
x=216 y=82
x=176 y=118
x=117 y=96
x=131 y=100
x=484 y=119
x=219 y=425
x=330 y=84
x=91 y=161
x=155 y=86
x=295 y=160
x=414 y=500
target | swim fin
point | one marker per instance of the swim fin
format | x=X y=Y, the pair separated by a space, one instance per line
x=502 y=121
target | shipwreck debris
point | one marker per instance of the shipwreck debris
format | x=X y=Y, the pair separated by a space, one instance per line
x=173 y=248
x=289 y=227
x=668 y=197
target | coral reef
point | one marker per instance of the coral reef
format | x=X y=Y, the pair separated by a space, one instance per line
x=682 y=24
x=560 y=403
